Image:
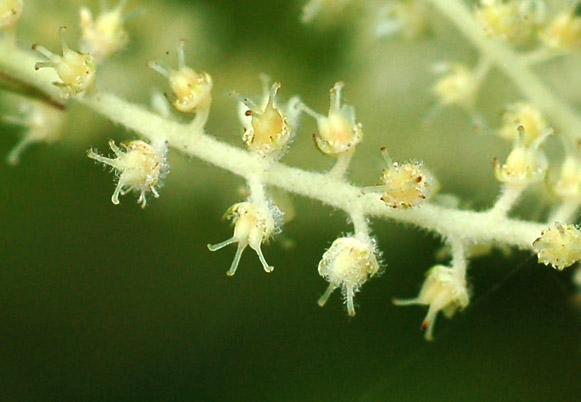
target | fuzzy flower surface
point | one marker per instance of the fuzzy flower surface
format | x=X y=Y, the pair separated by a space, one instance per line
x=405 y=185
x=348 y=264
x=253 y=226
x=139 y=166
x=559 y=246
x=444 y=290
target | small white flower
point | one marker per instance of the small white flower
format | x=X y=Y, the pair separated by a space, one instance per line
x=444 y=290
x=525 y=164
x=43 y=124
x=104 y=35
x=253 y=226
x=559 y=246
x=193 y=90
x=405 y=185
x=348 y=264
x=268 y=132
x=338 y=131
x=75 y=69
x=140 y=168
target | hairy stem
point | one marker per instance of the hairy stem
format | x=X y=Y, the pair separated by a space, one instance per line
x=466 y=225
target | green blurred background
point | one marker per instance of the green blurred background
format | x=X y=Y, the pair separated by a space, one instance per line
x=114 y=303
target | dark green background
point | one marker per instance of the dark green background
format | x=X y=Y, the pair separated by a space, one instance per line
x=114 y=303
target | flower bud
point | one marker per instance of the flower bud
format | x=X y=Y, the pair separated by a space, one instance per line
x=405 y=185
x=253 y=226
x=75 y=69
x=193 y=90
x=348 y=263
x=567 y=185
x=338 y=131
x=444 y=290
x=559 y=246
x=140 y=168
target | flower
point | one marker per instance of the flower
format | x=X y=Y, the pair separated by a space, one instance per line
x=511 y=20
x=348 y=263
x=268 y=132
x=338 y=131
x=75 y=69
x=103 y=36
x=405 y=185
x=525 y=115
x=140 y=168
x=192 y=89
x=43 y=123
x=253 y=225
x=525 y=164
x=456 y=86
x=444 y=290
x=559 y=246
x=564 y=31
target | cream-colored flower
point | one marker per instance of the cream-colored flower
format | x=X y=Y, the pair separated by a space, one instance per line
x=444 y=290
x=559 y=246
x=193 y=90
x=268 y=132
x=104 y=35
x=140 y=168
x=253 y=226
x=348 y=264
x=338 y=131
x=75 y=69
x=405 y=185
